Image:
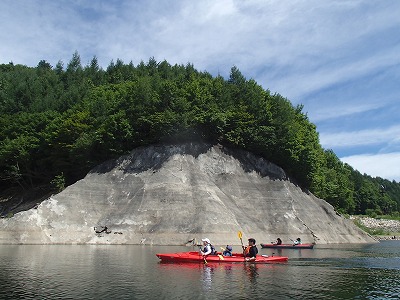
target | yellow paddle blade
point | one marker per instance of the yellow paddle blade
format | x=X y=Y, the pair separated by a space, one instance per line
x=240 y=234
x=221 y=257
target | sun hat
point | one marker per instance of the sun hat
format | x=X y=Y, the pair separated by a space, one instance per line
x=206 y=240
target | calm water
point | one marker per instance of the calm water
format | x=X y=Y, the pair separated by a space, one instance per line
x=134 y=272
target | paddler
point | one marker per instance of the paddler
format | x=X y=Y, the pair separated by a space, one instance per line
x=297 y=242
x=208 y=248
x=250 y=252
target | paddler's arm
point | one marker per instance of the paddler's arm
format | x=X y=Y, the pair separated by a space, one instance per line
x=250 y=258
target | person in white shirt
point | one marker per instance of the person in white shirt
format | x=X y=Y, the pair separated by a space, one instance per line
x=208 y=248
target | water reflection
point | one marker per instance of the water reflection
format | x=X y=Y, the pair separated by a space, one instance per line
x=228 y=272
x=251 y=271
x=206 y=278
x=134 y=272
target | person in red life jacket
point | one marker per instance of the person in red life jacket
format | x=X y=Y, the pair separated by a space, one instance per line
x=250 y=252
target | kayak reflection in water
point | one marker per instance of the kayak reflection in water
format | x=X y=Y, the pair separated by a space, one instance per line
x=250 y=252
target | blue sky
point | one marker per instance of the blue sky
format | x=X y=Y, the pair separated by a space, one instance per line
x=339 y=58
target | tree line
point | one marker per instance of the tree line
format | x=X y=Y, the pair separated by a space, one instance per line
x=59 y=122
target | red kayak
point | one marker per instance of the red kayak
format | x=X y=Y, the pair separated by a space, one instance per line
x=288 y=246
x=196 y=257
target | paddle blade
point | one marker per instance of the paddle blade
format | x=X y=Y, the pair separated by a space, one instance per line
x=240 y=234
x=221 y=257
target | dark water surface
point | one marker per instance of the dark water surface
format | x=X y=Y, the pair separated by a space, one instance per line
x=134 y=272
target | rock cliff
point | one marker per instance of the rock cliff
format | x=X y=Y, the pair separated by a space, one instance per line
x=171 y=194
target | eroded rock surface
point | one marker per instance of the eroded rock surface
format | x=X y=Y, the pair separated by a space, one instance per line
x=170 y=194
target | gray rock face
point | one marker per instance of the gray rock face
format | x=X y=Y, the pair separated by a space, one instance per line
x=170 y=194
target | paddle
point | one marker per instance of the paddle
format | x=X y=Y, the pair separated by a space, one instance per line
x=241 y=241
x=204 y=258
x=240 y=237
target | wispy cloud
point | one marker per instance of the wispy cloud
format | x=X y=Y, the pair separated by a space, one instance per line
x=362 y=137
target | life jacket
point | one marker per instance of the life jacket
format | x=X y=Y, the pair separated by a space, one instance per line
x=213 y=251
x=247 y=250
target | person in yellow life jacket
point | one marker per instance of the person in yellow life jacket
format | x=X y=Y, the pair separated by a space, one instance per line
x=250 y=252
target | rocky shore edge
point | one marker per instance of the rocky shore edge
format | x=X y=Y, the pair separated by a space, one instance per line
x=391 y=227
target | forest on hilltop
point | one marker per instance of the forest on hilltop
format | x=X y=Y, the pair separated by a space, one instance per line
x=56 y=123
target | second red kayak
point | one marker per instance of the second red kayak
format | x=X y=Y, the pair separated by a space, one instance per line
x=196 y=257
x=288 y=246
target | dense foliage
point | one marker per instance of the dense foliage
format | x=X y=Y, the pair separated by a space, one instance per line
x=57 y=123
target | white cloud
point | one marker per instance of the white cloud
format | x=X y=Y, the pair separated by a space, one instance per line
x=366 y=137
x=312 y=40
x=392 y=146
x=376 y=165
x=326 y=112
x=299 y=84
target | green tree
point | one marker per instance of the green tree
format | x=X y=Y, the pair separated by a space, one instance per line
x=57 y=124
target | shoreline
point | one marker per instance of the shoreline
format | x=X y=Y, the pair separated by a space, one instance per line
x=387 y=237
x=390 y=227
